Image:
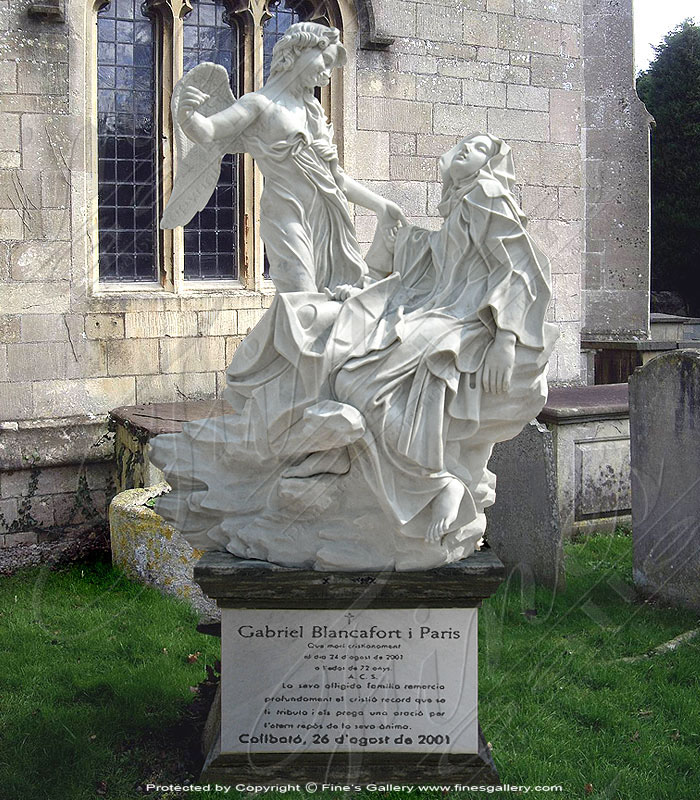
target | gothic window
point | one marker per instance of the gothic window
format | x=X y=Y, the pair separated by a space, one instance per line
x=143 y=49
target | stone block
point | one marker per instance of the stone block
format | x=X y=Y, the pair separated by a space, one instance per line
x=566 y=291
x=8 y=76
x=484 y=93
x=557 y=72
x=500 y=6
x=547 y=164
x=617 y=313
x=403 y=116
x=413 y=168
x=159 y=324
x=493 y=55
x=402 y=15
x=20 y=189
x=570 y=203
x=372 y=154
x=248 y=318
x=665 y=442
x=534 y=36
x=520 y=59
x=541 y=202
x=9 y=329
x=4 y=370
x=9 y=159
x=21 y=538
x=34 y=104
x=53 y=224
x=563 y=243
x=560 y=11
x=511 y=125
x=480 y=28
x=395 y=85
x=104 y=326
x=523 y=526
x=437 y=23
x=132 y=357
x=217 y=323
x=459 y=68
x=40 y=261
x=10 y=131
x=151 y=551
x=433 y=88
x=410 y=195
x=191 y=355
x=36 y=298
x=232 y=342
x=528 y=98
x=52 y=142
x=400 y=144
x=44 y=328
x=459 y=120
x=42 y=78
x=571 y=41
x=60 y=398
x=565 y=116
x=417 y=64
x=171 y=388
x=15 y=401
x=434 y=144
x=11 y=224
x=39 y=361
x=505 y=73
x=366 y=227
x=55 y=189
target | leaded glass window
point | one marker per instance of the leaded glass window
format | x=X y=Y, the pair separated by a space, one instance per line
x=126 y=143
x=212 y=237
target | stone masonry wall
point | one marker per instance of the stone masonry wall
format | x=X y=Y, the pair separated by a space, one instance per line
x=68 y=355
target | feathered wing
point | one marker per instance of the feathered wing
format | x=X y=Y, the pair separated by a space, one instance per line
x=197 y=168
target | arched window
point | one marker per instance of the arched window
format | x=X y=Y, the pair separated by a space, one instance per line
x=143 y=49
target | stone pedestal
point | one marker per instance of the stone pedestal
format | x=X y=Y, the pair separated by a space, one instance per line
x=348 y=677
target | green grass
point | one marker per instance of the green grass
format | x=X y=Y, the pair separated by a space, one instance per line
x=94 y=668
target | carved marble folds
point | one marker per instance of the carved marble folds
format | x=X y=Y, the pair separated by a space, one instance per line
x=368 y=398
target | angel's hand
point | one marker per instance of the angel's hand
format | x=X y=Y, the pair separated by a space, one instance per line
x=390 y=219
x=190 y=100
x=498 y=364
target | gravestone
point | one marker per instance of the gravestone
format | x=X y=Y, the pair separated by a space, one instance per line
x=523 y=525
x=665 y=453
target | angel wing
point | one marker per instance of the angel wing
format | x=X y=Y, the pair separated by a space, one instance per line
x=197 y=168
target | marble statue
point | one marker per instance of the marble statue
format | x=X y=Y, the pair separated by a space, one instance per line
x=368 y=398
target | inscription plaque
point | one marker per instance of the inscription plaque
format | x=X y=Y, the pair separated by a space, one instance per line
x=370 y=680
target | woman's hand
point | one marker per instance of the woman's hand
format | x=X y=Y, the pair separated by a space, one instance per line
x=342 y=292
x=390 y=217
x=498 y=364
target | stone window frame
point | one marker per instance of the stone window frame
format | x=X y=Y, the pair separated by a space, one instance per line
x=250 y=15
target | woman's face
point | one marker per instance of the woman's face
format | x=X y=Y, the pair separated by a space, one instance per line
x=315 y=66
x=473 y=154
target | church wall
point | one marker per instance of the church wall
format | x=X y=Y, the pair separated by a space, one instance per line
x=430 y=73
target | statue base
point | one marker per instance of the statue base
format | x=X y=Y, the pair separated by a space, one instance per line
x=347 y=678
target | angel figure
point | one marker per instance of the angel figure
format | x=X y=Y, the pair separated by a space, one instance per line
x=305 y=223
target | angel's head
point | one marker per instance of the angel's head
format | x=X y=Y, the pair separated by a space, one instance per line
x=311 y=50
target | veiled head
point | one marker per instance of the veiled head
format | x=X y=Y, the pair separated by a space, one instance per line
x=301 y=38
x=478 y=153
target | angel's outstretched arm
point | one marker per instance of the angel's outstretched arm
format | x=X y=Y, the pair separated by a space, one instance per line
x=226 y=124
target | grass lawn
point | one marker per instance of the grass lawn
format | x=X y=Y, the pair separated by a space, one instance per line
x=97 y=674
